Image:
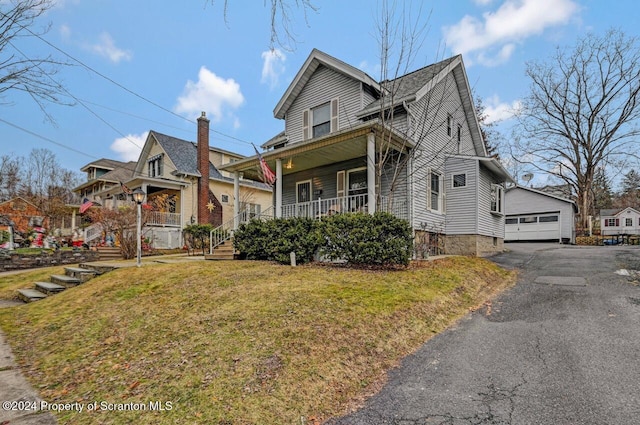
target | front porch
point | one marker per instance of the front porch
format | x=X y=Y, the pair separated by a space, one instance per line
x=346 y=204
x=335 y=173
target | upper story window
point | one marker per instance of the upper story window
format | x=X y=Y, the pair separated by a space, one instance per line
x=449 y=125
x=155 y=166
x=321 y=120
x=459 y=134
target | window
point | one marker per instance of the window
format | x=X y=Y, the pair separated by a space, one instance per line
x=459 y=134
x=611 y=222
x=511 y=221
x=548 y=219
x=528 y=220
x=449 y=125
x=497 y=199
x=321 y=120
x=303 y=191
x=459 y=180
x=155 y=166
x=435 y=191
x=628 y=222
x=225 y=198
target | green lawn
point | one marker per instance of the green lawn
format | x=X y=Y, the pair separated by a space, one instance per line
x=235 y=342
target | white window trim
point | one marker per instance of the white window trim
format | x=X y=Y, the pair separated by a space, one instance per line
x=501 y=193
x=440 y=210
x=310 y=190
x=465 y=181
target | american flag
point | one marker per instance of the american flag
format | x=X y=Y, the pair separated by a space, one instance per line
x=125 y=189
x=86 y=204
x=266 y=173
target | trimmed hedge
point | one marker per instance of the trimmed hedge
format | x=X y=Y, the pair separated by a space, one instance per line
x=360 y=239
x=275 y=239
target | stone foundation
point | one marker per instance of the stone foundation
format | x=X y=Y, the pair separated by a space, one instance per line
x=477 y=245
x=13 y=261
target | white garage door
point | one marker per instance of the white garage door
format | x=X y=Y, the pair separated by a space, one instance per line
x=532 y=227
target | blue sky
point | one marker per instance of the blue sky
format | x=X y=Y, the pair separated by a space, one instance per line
x=184 y=58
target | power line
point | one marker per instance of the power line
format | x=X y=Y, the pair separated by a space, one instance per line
x=47 y=139
x=125 y=88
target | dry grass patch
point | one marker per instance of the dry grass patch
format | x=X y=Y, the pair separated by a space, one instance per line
x=237 y=342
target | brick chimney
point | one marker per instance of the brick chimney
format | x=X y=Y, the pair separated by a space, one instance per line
x=203 y=168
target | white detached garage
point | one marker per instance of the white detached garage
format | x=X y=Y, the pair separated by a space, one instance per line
x=532 y=215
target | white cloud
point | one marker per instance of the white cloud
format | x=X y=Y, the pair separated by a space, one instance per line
x=495 y=34
x=371 y=70
x=211 y=94
x=272 y=66
x=129 y=148
x=108 y=49
x=497 y=111
x=65 y=32
x=482 y=2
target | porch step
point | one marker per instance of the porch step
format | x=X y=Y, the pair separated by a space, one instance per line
x=29 y=295
x=106 y=253
x=222 y=252
x=66 y=281
x=80 y=273
x=49 y=288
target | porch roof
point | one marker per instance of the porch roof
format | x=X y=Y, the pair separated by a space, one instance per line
x=335 y=147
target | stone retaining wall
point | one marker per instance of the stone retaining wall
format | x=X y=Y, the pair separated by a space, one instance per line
x=13 y=261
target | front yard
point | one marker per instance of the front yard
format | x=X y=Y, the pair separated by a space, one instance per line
x=234 y=342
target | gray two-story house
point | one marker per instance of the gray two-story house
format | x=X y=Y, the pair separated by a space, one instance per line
x=410 y=146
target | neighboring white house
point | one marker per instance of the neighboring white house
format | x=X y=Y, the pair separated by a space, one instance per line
x=533 y=215
x=621 y=221
x=436 y=172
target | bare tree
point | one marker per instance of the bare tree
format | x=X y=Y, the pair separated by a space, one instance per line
x=9 y=177
x=281 y=17
x=18 y=70
x=582 y=111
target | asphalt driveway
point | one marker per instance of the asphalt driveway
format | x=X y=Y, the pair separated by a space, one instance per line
x=561 y=347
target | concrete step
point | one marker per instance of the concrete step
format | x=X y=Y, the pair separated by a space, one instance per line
x=98 y=268
x=80 y=273
x=64 y=280
x=29 y=295
x=217 y=255
x=49 y=288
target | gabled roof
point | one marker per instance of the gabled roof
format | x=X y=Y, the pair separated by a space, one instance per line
x=612 y=212
x=315 y=59
x=183 y=155
x=548 y=195
x=408 y=87
x=104 y=163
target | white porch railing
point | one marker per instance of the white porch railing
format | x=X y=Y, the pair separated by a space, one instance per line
x=92 y=232
x=156 y=218
x=224 y=232
x=346 y=204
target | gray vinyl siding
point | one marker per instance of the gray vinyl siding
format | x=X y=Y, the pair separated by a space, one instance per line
x=323 y=86
x=400 y=187
x=429 y=121
x=323 y=178
x=488 y=224
x=429 y=131
x=519 y=201
x=462 y=215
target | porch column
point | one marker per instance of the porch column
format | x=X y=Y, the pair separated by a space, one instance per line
x=278 y=212
x=236 y=199
x=73 y=220
x=371 y=173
